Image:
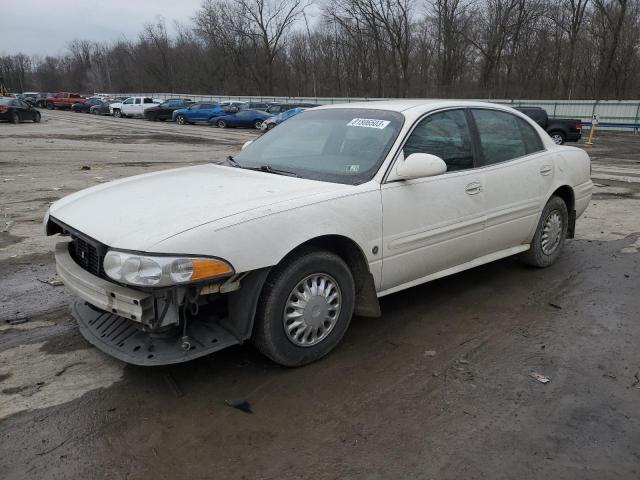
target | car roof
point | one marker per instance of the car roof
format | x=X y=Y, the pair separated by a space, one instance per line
x=409 y=104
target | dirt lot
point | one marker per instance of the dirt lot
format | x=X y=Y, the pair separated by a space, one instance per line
x=439 y=387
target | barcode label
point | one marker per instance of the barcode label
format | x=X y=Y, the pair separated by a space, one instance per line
x=368 y=123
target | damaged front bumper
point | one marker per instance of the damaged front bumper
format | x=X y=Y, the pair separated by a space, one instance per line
x=132 y=326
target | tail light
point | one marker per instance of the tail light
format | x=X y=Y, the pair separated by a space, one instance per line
x=578 y=126
x=3 y=108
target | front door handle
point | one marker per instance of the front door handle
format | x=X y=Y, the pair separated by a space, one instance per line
x=473 y=188
x=546 y=170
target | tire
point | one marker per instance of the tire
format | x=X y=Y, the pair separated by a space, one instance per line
x=50 y=106
x=15 y=118
x=221 y=124
x=181 y=120
x=325 y=330
x=257 y=124
x=271 y=126
x=37 y=118
x=558 y=137
x=95 y=111
x=117 y=113
x=551 y=232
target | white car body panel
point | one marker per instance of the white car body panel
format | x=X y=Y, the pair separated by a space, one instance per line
x=254 y=219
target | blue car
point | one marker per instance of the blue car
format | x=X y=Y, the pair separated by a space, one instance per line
x=243 y=118
x=281 y=117
x=198 y=112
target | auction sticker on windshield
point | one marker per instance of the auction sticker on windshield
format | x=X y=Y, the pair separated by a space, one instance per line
x=369 y=123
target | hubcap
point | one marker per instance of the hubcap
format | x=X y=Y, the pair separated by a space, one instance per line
x=312 y=310
x=557 y=139
x=551 y=233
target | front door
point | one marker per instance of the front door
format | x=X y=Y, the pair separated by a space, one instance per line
x=435 y=223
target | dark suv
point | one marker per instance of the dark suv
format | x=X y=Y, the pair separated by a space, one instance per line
x=166 y=109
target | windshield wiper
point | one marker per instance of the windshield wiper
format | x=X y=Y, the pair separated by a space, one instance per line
x=232 y=161
x=277 y=171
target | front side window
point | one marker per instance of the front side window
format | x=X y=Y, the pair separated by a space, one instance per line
x=504 y=136
x=128 y=101
x=446 y=135
x=341 y=145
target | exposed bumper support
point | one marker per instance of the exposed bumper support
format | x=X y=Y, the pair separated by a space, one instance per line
x=125 y=302
x=124 y=340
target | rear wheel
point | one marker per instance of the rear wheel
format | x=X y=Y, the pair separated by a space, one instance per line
x=305 y=308
x=181 y=120
x=15 y=118
x=222 y=124
x=551 y=232
x=258 y=124
x=50 y=106
x=557 y=137
x=37 y=117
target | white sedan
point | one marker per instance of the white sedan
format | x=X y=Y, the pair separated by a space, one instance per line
x=311 y=224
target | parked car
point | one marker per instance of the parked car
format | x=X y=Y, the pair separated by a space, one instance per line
x=29 y=97
x=133 y=106
x=63 y=100
x=85 y=107
x=198 y=112
x=243 y=118
x=277 y=108
x=41 y=99
x=102 y=108
x=311 y=224
x=165 y=110
x=560 y=130
x=271 y=122
x=254 y=106
x=15 y=110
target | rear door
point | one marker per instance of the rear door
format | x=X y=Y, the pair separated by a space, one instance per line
x=517 y=173
x=434 y=223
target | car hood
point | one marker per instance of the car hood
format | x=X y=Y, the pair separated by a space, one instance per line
x=135 y=213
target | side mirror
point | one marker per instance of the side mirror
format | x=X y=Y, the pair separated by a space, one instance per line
x=246 y=144
x=417 y=165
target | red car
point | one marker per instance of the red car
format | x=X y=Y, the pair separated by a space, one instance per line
x=63 y=100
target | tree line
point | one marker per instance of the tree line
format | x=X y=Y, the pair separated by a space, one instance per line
x=554 y=49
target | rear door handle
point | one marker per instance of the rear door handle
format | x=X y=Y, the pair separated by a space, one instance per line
x=546 y=170
x=473 y=188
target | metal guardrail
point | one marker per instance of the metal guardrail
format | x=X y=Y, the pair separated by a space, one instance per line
x=619 y=114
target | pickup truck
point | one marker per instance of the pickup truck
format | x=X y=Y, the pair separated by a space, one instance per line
x=63 y=100
x=560 y=130
x=133 y=106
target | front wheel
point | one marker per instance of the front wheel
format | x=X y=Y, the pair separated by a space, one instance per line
x=37 y=117
x=117 y=114
x=548 y=240
x=50 y=106
x=15 y=119
x=271 y=126
x=258 y=125
x=305 y=308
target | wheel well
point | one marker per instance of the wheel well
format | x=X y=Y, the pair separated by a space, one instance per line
x=367 y=304
x=565 y=192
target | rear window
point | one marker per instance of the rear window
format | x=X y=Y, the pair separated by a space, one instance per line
x=6 y=101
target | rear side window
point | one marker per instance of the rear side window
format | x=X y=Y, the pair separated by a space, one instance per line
x=504 y=136
x=446 y=135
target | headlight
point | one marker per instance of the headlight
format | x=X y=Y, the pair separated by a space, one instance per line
x=161 y=271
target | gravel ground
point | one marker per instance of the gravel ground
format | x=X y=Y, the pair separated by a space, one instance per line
x=438 y=387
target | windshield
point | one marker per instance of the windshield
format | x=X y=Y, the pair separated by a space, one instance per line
x=342 y=145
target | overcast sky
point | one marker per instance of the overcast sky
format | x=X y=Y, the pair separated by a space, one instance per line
x=45 y=26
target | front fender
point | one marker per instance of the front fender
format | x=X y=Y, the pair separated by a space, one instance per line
x=262 y=237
